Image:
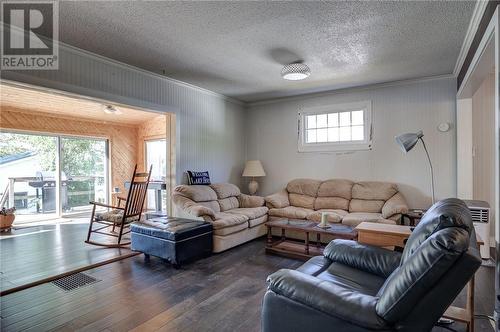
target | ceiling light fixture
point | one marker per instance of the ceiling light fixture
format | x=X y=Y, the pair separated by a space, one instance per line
x=110 y=109
x=295 y=71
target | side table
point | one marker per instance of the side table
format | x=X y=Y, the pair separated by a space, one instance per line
x=413 y=216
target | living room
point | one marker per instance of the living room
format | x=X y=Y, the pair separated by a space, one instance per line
x=296 y=148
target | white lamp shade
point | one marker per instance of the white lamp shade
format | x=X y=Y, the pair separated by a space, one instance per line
x=253 y=168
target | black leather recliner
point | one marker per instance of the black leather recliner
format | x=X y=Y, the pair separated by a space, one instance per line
x=356 y=287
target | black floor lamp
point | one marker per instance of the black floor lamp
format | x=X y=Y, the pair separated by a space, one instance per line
x=407 y=142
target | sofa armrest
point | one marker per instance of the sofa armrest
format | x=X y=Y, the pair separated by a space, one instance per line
x=327 y=297
x=278 y=200
x=394 y=205
x=375 y=260
x=247 y=201
x=192 y=208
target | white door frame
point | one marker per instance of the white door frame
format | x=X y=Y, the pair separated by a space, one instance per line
x=464 y=177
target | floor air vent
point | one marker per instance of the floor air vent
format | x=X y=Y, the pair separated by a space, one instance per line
x=74 y=281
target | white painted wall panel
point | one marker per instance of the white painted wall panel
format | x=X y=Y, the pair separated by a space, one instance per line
x=272 y=138
x=464 y=149
x=483 y=141
x=210 y=129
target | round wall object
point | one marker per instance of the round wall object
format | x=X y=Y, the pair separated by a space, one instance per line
x=444 y=127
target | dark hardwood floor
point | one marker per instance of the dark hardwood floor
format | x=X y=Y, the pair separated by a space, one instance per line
x=32 y=254
x=220 y=293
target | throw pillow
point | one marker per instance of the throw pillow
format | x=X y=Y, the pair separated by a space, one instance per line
x=198 y=178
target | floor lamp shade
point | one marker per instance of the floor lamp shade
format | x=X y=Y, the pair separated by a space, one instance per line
x=409 y=140
x=253 y=169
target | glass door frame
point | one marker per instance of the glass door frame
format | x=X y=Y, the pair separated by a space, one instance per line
x=146 y=167
x=58 y=136
x=107 y=167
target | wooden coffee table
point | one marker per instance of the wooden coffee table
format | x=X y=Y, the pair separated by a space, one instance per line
x=302 y=249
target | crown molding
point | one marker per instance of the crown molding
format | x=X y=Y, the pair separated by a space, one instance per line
x=477 y=14
x=351 y=89
x=101 y=58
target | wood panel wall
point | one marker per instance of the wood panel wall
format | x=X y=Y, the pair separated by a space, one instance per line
x=152 y=129
x=122 y=138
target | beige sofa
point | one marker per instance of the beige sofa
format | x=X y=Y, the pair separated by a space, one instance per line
x=345 y=201
x=236 y=218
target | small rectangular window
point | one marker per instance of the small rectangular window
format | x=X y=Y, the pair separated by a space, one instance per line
x=341 y=127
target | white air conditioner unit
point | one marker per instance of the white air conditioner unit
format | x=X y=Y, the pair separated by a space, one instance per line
x=480 y=211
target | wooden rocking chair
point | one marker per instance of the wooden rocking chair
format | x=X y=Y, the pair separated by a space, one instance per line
x=121 y=217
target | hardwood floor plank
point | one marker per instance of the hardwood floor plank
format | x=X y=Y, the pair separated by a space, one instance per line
x=220 y=293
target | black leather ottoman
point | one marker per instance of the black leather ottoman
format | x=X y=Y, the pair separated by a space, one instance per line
x=174 y=239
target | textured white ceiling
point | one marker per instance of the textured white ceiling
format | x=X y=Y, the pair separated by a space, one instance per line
x=239 y=48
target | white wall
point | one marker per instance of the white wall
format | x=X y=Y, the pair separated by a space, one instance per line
x=396 y=109
x=483 y=141
x=210 y=126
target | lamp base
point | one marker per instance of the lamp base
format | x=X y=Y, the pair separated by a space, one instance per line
x=253 y=186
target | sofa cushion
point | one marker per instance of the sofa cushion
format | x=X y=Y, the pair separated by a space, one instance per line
x=307 y=187
x=257 y=221
x=278 y=200
x=229 y=203
x=197 y=193
x=334 y=216
x=230 y=229
x=228 y=223
x=247 y=201
x=115 y=216
x=366 y=205
x=374 y=190
x=251 y=213
x=213 y=205
x=356 y=218
x=303 y=201
x=336 y=188
x=331 y=203
x=225 y=190
x=290 y=212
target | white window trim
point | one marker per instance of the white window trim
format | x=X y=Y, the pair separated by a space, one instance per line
x=336 y=146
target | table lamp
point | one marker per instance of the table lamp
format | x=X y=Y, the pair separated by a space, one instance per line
x=408 y=142
x=253 y=169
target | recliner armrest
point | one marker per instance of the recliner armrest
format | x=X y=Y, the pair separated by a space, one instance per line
x=327 y=297
x=247 y=201
x=375 y=260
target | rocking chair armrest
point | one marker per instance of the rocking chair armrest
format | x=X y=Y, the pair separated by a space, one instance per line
x=106 y=205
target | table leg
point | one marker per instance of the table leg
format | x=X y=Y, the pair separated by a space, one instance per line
x=158 y=200
x=470 y=304
x=269 y=236
x=307 y=243
x=283 y=234
x=318 y=240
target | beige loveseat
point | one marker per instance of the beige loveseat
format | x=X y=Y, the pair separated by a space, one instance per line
x=236 y=218
x=345 y=201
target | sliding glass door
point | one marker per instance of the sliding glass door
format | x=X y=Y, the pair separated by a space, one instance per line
x=83 y=173
x=28 y=174
x=46 y=176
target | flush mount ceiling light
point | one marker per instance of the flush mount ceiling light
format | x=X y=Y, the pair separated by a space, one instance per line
x=110 y=109
x=295 y=71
